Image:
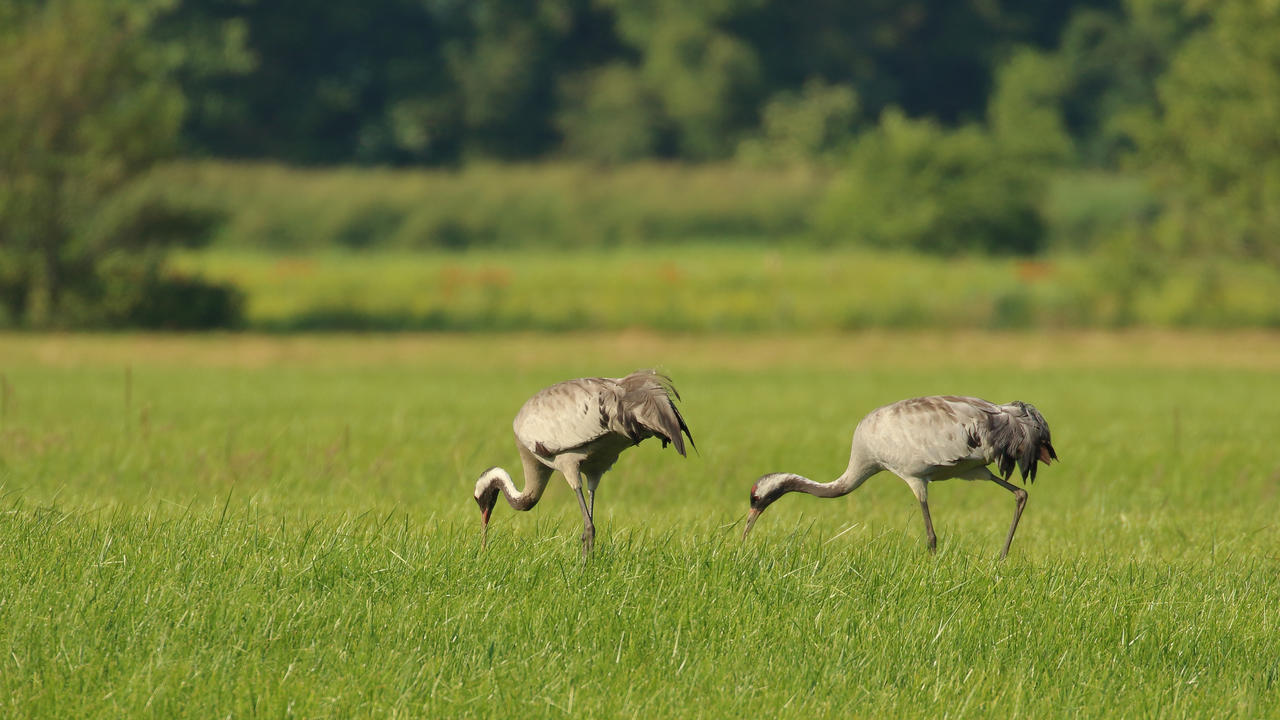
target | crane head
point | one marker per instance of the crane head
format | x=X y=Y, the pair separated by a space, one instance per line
x=486 y=496
x=486 y=501
x=765 y=490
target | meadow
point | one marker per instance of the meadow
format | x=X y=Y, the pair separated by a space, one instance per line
x=727 y=287
x=282 y=526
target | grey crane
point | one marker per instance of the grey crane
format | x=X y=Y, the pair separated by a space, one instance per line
x=579 y=427
x=927 y=439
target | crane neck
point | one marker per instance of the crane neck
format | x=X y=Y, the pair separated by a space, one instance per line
x=860 y=468
x=516 y=498
x=536 y=476
x=847 y=482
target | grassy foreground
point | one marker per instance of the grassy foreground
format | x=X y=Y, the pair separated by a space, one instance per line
x=244 y=526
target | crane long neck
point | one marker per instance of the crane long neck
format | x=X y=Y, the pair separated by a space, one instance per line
x=535 y=482
x=515 y=498
x=861 y=467
x=859 y=470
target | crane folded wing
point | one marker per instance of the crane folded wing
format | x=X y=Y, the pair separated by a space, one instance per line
x=647 y=407
x=1020 y=435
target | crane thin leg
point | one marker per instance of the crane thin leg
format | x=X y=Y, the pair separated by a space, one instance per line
x=1021 y=496
x=593 y=482
x=570 y=470
x=928 y=527
x=920 y=488
x=588 y=525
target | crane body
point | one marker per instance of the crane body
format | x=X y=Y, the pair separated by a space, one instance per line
x=929 y=439
x=579 y=428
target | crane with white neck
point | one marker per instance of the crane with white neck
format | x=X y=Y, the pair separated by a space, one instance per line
x=579 y=427
x=927 y=439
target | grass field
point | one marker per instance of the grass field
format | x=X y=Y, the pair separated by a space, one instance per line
x=248 y=526
x=735 y=288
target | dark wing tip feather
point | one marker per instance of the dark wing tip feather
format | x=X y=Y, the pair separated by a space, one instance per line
x=1020 y=435
x=649 y=400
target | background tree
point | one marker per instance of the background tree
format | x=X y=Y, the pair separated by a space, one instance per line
x=1214 y=147
x=435 y=82
x=808 y=126
x=915 y=185
x=91 y=101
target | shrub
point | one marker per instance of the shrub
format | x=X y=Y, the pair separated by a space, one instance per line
x=910 y=184
x=178 y=302
x=803 y=127
x=134 y=290
x=610 y=115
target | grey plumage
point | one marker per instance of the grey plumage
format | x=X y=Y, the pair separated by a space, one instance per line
x=579 y=427
x=575 y=413
x=927 y=439
x=1019 y=434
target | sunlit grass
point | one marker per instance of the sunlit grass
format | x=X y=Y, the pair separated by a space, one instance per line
x=255 y=526
x=704 y=288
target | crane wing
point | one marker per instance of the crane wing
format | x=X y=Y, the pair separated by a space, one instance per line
x=566 y=415
x=915 y=437
x=648 y=408
x=1019 y=434
x=576 y=412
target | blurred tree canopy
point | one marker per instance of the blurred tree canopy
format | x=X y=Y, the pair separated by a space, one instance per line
x=1213 y=143
x=910 y=184
x=91 y=100
x=444 y=81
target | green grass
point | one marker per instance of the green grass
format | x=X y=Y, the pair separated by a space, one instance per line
x=244 y=526
x=704 y=287
x=566 y=205
x=551 y=204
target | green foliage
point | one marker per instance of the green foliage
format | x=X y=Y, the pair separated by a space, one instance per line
x=913 y=185
x=91 y=102
x=410 y=82
x=1213 y=149
x=610 y=115
x=239 y=526
x=1086 y=211
x=1024 y=115
x=1081 y=102
x=702 y=77
x=548 y=205
x=1110 y=64
x=803 y=127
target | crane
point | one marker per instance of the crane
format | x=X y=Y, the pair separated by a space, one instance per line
x=927 y=439
x=579 y=427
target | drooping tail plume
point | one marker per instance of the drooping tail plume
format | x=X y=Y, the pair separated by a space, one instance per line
x=1020 y=435
x=648 y=401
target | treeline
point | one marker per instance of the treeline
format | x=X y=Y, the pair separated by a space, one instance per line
x=446 y=81
x=932 y=125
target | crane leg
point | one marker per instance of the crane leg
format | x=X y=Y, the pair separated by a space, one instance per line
x=1021 y=496
x=593 y=482
x=921 y=490
x=588 y=525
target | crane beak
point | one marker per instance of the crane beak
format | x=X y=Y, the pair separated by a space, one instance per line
x=484 y=526
x=751 y=521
